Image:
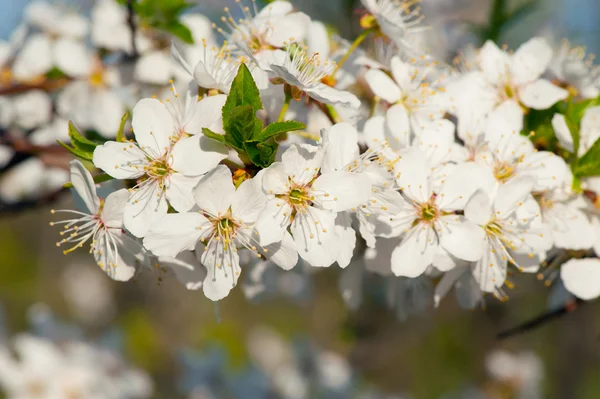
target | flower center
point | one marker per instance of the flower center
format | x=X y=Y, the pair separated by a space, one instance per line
x=493 y=228
x=158 y=169
x=503 y=171
x=427 y=212
x=509 y=91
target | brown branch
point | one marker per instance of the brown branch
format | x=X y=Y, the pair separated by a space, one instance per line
x=46 y=85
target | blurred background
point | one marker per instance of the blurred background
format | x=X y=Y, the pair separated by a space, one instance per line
x=436 y=353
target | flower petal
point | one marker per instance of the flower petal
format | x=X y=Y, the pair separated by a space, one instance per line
x=479 y=208
x=179 y=191
x=283 y=253
x=397 y=123
x=294 y=25
x=462 y=238
x=341 y=147
x=342 y=191
x=85 y=187
x=494 y=62
x=317 y=243
x=72 y=57
x=273 y=221
x=383 y=86
x=223 y=270
x=175 y=232
x=412 y=175
x=511 y=194
x=562 y=132
x=582 y=278
x=347 y=237
x=197 y=155
x=34 y=59
x=215 y=191
x=114 y=206
x=530 y=60
x=145 y=206
x=120 y=160
x=188 y=270
x=153 y=126
x=328 y=95
x=415 y=252
x=541 y=94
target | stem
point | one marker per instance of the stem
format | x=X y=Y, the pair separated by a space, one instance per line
x=132 y=27
x=286 y=104
x=353 y=47
x=332 y=113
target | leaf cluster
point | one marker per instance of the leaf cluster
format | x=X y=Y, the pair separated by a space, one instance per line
x=244 y=131
x=164 y=16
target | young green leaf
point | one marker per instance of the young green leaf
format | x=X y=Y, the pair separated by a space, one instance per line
x=212 y=135
x=80 y=142
x=589 y=164
x=178 y=30
x=243 y=92
x=261 y=154
x=243 y=123
x=121 y=133
x=277 y=128
x=78 y=152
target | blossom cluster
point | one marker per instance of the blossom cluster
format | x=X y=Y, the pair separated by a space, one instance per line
x=295 y=147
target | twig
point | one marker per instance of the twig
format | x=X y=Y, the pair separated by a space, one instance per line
x=542 y=319
x=132 y=27
x=46 y=85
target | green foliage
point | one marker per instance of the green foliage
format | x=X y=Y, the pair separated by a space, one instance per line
x=589 y=164
x=501 y=18
x=80 y=146
x=163 y=15
x=244 y=131
x=121 y=133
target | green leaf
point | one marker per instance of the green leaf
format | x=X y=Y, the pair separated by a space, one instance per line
x=178 y=30
x=78 y=152
x=589 y=164
x=261 y=154
x=80 y=141
x=101 y=178
x=243 y=92
x=212 y=135
x=243 y=123
x=121 y=134
x=277 y=128
x=574 y=129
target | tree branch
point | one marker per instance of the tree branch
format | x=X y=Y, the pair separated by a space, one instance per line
x=132 y=27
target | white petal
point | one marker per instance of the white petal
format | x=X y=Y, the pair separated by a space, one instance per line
x=341 y=146
x=582 y=277
x=223 y=271
x=283 y=253
x=374 y=131
x=274 y=179
x=282 y=29
x=120 y=160
x=317 y=244
x=301 y=162
x=176 y=54
x=84 y=186
x=494 y=62
x=203 y=78
x=462 y=238
x=402 y=72
x=397 y=123
x=34 y=59
x=175 y=233
x=383 y=86
x=207 y=113
x=273 y=221
x=479 y=208
x=248 y=201
x=108 y=111
x=347 y=237
x=511 y=194
x=530 y=61
x=562 y=132
x=124 y=268
x=412 y=175
x=72 y=57
x=145 y=206
x=154 y=67
x=197 y=155
x=317 y=39
x=342 y=191
x=541 y=94
x=114 y=206
x=490 y=271
x=446 y=283
x=505 y=118
x=188 y=270
x=415 y=253
x=328 y=95
x=152 y=125
x=548 y=169
x=179 y=191
x=215 y=191
x=463 y=181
